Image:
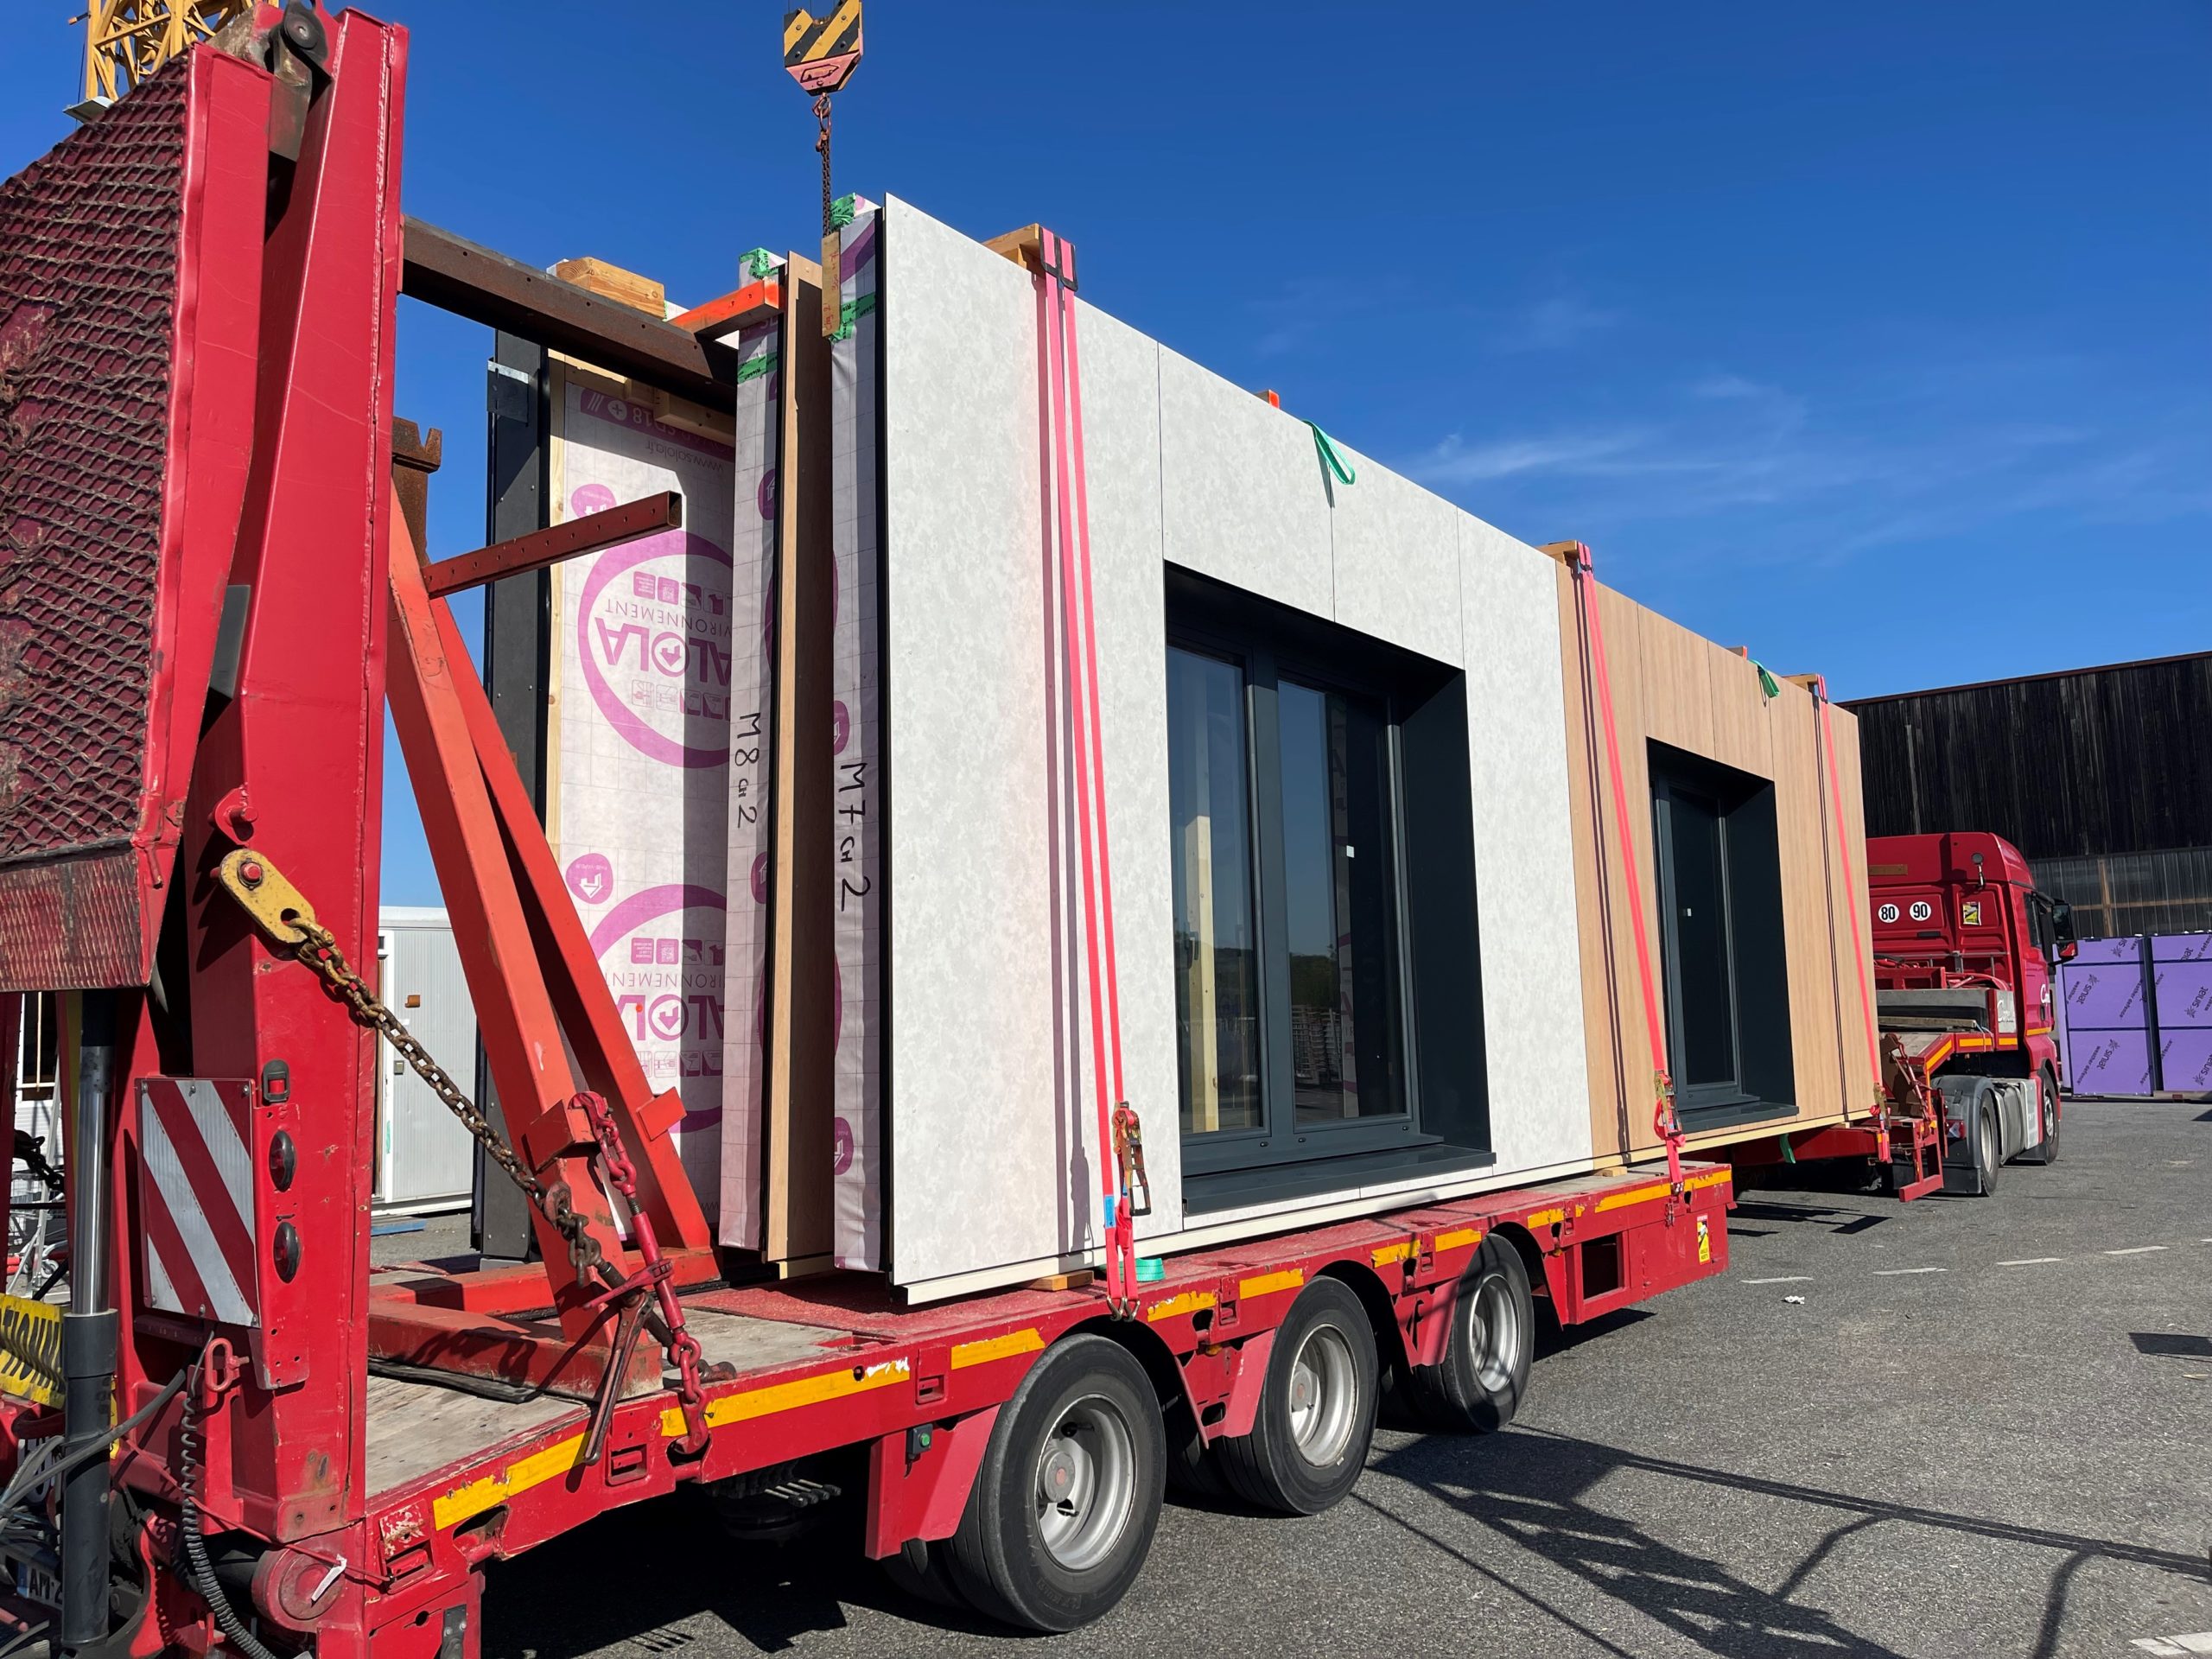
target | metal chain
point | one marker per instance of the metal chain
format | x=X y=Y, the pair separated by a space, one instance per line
x=319 y=950
x=822 y=143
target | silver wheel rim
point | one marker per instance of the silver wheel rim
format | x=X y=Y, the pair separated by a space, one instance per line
x=1086 y=1484
x=1988 y=1143
x=1494 y=1332
x=1323 y=1396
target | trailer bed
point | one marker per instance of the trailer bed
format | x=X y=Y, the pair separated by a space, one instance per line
x=824 y=1364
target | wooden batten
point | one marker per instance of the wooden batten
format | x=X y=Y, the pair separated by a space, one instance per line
x=802 y=1010
x=613 y=283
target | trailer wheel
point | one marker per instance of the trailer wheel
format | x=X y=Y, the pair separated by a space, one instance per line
x=1988 y=1145
x=2045 y=1151
x=1068 y=1495
x=923 y=1571
x=1478 y=1383
x=1308 y=1444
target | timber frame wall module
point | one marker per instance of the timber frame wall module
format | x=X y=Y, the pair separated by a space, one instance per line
x=867 y=966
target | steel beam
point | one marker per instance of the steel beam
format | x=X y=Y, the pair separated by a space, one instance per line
x=440 y=269
x=541 y=548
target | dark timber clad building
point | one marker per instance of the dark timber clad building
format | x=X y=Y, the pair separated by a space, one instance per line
x=2102 y=777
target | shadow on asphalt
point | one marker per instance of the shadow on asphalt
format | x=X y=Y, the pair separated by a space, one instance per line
x=1528 y=1486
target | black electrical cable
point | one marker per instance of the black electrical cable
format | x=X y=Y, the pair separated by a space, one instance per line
x=197 y=1567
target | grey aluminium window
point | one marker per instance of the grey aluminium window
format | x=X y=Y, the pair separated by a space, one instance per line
x=1290 y=950
x=1724 y=967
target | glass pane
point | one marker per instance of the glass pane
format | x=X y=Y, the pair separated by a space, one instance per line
x=1700 y=926
x=1340 y=899
x=1217 y=967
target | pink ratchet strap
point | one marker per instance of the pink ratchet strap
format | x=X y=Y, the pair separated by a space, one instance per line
x=1062 y=430
x=1663 y=1119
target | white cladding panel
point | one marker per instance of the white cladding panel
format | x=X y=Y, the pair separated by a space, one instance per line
x=992 y=1142
x=1524 y=852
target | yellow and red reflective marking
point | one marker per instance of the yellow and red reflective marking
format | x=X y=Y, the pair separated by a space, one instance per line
x=1266 y=1284
x=463 y=1501
x=1190 y=1301
x=789 y=1397
x=984 y=1350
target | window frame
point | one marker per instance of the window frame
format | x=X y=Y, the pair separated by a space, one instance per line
x=1280 y=1141
x=1732 y=1091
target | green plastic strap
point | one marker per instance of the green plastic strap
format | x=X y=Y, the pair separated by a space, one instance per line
x=1330 y=458
x=855 y=309
x=1766 y=680
x=842 y=212
x=757 y=262
x=753 y=367
x=1788 y=1151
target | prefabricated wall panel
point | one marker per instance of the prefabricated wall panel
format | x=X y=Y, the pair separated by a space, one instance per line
x=1672 y=687
x=857 y=798
x=954 y=1061
x=991 y=1132
x=639 y=735
x=754 y=600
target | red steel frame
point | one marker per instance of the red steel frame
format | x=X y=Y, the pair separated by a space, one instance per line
x=292 y=764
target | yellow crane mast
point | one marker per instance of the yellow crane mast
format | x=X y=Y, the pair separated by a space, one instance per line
x=125 y=41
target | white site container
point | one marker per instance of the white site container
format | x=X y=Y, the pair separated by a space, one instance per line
x=425 y=1159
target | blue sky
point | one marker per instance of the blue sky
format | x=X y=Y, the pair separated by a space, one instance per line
x=1878 y=339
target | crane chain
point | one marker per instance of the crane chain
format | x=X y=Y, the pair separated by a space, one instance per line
x=318 y=950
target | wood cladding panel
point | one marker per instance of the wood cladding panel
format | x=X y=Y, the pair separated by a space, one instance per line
x=1671 y=686
x=801 y=1015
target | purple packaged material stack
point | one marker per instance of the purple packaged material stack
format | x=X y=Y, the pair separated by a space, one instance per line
x=2105 y=996
x=2106 y=1019
x=2111 y=1063
x=2185 y=1060
x=2139 y=1015
x=2106 y=952
x=2184 y=995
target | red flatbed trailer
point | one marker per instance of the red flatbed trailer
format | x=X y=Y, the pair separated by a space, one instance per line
x=824 y=1365
x=197 y=300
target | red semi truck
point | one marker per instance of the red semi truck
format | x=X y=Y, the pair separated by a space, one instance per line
x=1965 y=957
x=1966 y=953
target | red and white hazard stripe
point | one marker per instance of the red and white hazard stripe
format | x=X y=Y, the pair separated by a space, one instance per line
x=197 y=1194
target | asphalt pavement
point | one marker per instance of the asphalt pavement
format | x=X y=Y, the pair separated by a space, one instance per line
x=1957 y=1426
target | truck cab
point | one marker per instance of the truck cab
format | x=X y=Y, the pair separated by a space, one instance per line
x=1965 y=954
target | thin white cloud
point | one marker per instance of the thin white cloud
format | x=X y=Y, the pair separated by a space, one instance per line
x=1456 y=461
x=1880 y=466
x=1554 y=324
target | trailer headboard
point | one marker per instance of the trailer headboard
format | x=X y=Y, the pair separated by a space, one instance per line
x=129 y=298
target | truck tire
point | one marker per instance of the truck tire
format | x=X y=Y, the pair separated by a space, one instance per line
x=923 y=1571
x=1988 y=1145
x=2045 y=1151
x=1308 y=1444
x=1068 y=1497
x=1477 y=1386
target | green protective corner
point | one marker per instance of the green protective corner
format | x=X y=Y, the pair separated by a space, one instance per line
x=1766 y=680
x=757 y=262
x=842 y=212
